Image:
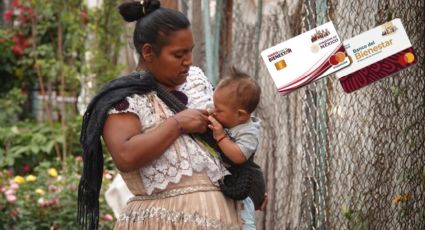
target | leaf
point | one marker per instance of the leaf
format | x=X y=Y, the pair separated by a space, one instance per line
x=10 y=161
x=17 y=151
x=60 y=139
x=48 y=147
x=35 y=149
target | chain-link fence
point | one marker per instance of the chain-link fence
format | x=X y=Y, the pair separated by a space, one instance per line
x=335 y=160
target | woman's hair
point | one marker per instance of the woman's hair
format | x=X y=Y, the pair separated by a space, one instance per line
x=154 y=24
x=244 y=90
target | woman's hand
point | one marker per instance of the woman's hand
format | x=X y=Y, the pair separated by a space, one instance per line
x=216 y=127
x=193 y=120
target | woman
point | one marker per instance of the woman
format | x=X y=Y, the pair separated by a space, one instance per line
x=172 y=174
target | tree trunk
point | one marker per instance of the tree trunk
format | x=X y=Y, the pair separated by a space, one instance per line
x=225 y=51
x=198 y=32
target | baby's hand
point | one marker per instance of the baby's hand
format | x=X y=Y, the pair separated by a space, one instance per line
x=216 y=127
x=264 y=202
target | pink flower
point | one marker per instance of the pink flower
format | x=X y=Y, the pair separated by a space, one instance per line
x=26 y=168
x=7 y=15
x=107 y=175
x=14 y=212
x=53 y=202
x=53 y=188
x=31 y=14
x=11 y=198
x=9 y=172
x=15 y=3
x=17 y=50
x=79 y=158
x=14 y=186
x=22 y=41
x=108 y=217
x=26 y=15
x=47 y=203
x=9 y=192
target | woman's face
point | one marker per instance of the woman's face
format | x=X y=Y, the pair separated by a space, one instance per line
x=171 y=65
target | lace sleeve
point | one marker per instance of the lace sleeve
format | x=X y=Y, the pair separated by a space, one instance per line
x=198 y=88
x=131 y=104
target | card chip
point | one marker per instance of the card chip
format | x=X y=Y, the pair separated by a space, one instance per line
x=280 y=64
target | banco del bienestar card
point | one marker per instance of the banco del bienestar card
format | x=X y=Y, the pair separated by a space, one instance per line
x=305 y=58
x=375 y=54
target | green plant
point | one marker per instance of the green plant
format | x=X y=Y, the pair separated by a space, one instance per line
x=28 y=143
x=105 y=46
x=44 y=46
x=7 y=62
x=11 y=106
x=72 y=136
x=46 y=199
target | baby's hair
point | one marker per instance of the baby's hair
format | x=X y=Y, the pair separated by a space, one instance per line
x=246 y=90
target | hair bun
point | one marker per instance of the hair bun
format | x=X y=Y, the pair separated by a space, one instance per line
x=135 y=10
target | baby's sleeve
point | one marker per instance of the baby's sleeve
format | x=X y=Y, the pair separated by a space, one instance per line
x=247 y=139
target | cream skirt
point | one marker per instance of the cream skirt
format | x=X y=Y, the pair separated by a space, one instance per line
x=193 y=203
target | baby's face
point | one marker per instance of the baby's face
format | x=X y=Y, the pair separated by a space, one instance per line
x=225 y=110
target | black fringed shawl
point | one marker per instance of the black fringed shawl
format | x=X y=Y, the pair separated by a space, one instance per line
x=91 y=131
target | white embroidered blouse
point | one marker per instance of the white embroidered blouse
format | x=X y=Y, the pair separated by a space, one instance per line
x=184 y=156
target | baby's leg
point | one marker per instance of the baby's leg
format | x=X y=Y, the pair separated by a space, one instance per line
x=248 y=215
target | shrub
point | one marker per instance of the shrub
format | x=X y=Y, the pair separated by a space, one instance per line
x=46 y=198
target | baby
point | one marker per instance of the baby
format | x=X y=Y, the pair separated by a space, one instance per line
x=234 y=128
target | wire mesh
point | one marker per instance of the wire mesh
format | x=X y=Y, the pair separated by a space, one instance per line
x=335 y=160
